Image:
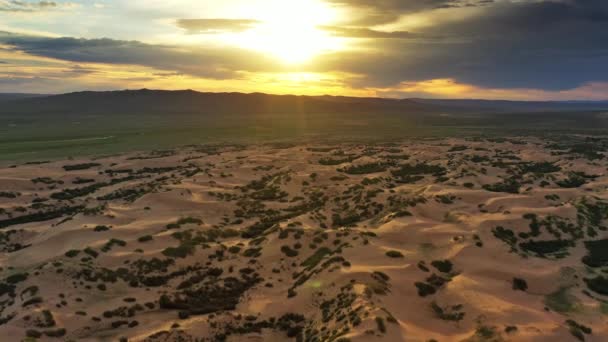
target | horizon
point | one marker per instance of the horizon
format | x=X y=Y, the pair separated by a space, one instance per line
x=525 y=50
x=303 y=95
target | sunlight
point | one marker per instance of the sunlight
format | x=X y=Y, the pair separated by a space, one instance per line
x=289 y=31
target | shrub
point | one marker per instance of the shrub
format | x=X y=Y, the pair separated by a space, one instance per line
x=424 y=289
x=413 y=173
x=112 y=242
x=145 y=238
x=598 y=284
x=101 y=228
x=597 y=253
x=394 y=254
x=32 y=301
x=16 y=278
x=450 y=313
x=33 y=333
x=90 y=251
x=519 y=284
x=180 y=251
x=574 y=180
x=444 y=266
x=380 y=324
x=234 y=249
x=365 y=168
x=578 y=330
x=509 y=186
x=72 y=253
x=289 y=252
x=7 y=194
x=83 y=166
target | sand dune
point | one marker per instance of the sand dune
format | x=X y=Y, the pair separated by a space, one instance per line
x=445 y=240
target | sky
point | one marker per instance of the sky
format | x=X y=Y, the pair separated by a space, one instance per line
x=490 y=49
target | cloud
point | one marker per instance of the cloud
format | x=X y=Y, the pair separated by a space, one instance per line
x=450 y=89
x=550 y=45
x=363 y=32
x=26 y=6
x=211 y=26
x=411 y=5
x=210 y=62
x=378 y=12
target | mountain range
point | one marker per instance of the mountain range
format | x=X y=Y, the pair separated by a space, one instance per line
x=191 y=102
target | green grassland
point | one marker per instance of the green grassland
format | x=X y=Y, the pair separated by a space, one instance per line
x=41 y=137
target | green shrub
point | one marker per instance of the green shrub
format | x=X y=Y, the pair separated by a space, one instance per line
x=394 y=254
x=72 y=253
x=380 y=324
x=510 y=185
x=16 y=278
x=598 y=284
x=101 y=228
x=55 y=333
x=145 y=238
x=289 y=252
x=365 y=168
x=33 y=333
x=444 y=266
x=519 y=284
x=425 y=289
x=314 y=259
x=83 y=166
x=234 y=249
x=180 y=251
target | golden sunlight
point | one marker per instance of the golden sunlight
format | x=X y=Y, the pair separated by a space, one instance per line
x=289 y=31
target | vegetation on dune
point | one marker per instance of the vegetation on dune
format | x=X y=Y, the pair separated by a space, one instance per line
x=78 y=167
x=41 y=216
x=561 y=300
x=363 y=169
x=409 y=173
x=520 y=284
x=452 y=313
x=510 y=185
x=394 y=254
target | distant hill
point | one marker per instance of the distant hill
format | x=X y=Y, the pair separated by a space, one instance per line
x=17 y=96
x=144 y=101
x=516 y=106
x=191 y=102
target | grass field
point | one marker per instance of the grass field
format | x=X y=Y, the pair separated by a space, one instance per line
x=49 y=137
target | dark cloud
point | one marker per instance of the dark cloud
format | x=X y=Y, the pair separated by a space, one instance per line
x=209 y=62
x=26 y=6
x=210 y=26
x=80 y=70
x=552 y=45
x=377 y=12
x=410 y=5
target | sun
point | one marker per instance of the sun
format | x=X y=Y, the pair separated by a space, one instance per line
x=289 y=30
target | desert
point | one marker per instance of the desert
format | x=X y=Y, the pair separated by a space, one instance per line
x=435 y=239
